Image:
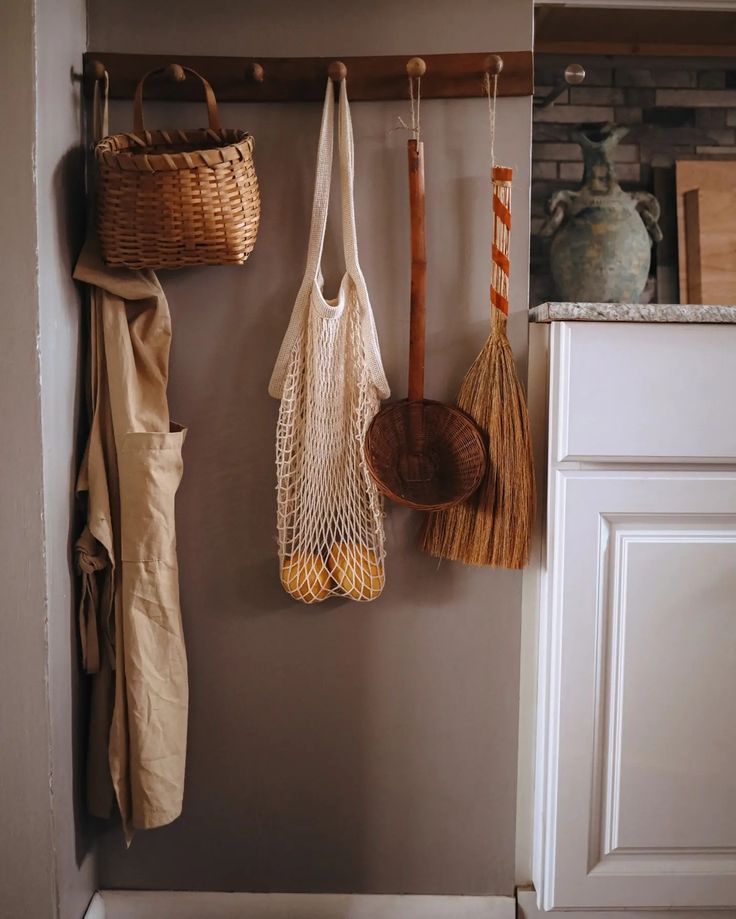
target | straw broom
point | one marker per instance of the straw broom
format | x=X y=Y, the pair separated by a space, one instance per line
x=493 y=527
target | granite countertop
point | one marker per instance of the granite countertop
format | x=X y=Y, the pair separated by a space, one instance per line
x=632 y=312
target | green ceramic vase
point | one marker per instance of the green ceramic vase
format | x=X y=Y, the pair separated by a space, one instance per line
x=601 y=235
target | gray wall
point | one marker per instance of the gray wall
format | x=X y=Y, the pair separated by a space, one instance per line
x=26 y=842
x=44 y=871
x=61 y=34
x=342 y=748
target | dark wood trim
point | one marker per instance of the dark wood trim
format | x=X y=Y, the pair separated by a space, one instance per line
x=633 y=48
x=448 y=76
x=658 y=32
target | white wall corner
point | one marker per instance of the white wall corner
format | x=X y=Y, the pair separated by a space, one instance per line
x=96 y=908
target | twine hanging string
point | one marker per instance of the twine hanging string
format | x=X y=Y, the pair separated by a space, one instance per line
x=415 y=98
x=416 y=125
x=501 y=182
x=491 y=96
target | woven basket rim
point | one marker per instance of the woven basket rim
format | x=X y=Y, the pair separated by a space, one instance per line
x=475 y=436
x=109 y=150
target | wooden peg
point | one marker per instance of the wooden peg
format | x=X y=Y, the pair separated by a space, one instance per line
x=94 y=71
x=337 y=71
x=494 y=64
x=416 y=67
x=174 y=73
x=255 y=72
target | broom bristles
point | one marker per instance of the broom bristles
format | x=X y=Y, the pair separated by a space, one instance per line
x=493 y=527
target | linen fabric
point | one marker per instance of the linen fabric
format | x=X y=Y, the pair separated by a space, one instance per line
x=130 y=619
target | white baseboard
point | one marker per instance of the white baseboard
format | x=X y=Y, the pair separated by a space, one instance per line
x=141 y=904
x=133 y=904
x=527 y=900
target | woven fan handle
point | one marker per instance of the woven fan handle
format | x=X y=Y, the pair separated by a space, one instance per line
x=501 y=180
x=213 y=115
x=418 y=270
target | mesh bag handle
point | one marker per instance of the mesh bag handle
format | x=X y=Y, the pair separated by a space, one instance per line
x=213 y=115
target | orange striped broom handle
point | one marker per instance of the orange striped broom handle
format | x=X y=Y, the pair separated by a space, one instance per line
x=501 y=178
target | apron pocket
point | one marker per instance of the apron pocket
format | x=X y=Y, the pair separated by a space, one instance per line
x=150 y=468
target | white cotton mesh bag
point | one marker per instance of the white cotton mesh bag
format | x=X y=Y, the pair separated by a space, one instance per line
x=330 y=380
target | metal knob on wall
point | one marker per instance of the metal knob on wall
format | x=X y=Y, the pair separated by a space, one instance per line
x=573 y=75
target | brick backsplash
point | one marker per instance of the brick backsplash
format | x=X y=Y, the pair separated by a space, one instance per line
x=676 y=108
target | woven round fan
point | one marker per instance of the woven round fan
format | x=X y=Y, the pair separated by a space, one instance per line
x=422 y=453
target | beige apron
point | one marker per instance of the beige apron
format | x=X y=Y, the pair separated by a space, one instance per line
x=130 y=619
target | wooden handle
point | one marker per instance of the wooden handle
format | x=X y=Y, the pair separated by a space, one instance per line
x=177 y=73
x=418 y=270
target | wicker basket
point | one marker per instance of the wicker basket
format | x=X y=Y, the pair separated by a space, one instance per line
x=424 y=454
x=168 y=199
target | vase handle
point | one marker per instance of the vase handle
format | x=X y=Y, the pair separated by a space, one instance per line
x=558 y=207
x=649 y=211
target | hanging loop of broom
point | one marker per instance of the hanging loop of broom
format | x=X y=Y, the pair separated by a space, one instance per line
x=493 y=527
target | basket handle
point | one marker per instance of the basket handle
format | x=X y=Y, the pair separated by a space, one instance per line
x=209 y=95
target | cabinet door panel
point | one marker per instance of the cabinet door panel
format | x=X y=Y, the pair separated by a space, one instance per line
x=676 y=643
x=643 y=392
x=638 y=695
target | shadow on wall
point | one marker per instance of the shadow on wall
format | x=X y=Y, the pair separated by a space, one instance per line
x=68 y=191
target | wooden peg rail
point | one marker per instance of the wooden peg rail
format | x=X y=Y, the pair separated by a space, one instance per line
x=282 y=79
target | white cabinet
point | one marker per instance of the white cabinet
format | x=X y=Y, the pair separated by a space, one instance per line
x=644 y=392
x=635 y=797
